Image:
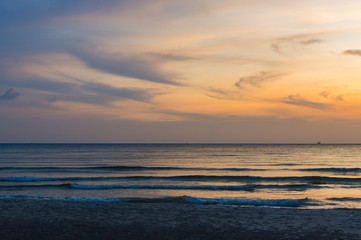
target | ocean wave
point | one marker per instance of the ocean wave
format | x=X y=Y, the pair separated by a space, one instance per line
x=252 y=179
x=178 y=177
x=36 y=186
x=74 y=199
x=143 y=168
x=175 y=187
x=337 y=170
x=246 y=187
x=127 y=168
x=202 y=178
x=183 y=200
x=50 y=179
x=345 y=199
x=284 y=164
x=250 y=202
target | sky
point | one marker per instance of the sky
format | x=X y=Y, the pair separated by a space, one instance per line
x=232 y=71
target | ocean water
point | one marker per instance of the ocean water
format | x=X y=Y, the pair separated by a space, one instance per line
x=274 y=175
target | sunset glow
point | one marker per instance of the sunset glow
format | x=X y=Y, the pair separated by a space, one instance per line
x=180 y=71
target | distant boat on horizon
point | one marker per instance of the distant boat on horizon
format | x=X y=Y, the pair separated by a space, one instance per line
x=319 y=142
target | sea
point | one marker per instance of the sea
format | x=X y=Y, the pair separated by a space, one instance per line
x=267 y=175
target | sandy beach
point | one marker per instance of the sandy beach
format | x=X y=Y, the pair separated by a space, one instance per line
x=27 y=219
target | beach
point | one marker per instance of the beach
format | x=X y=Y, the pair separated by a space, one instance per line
x=29 y=219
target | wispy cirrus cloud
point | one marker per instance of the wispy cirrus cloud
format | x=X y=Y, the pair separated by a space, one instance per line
x=353 y=52
x=251 y=81
x=300 y=39
x=170 y=56
x=90 y=92
x=42 y=28
x=310 y=41
x=256 y=80
x=330 y=95
x=218 y=93
x=101 y=94
x=300 y=101
x=116 y=93
x=134 y=66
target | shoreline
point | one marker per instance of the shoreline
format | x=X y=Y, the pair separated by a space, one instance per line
x=29 y=219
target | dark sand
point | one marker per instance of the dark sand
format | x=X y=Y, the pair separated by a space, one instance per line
x=22 y=219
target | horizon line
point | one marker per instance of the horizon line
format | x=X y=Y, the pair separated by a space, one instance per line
x=190 y=143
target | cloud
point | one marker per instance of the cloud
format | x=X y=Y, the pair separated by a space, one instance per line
x=35 y=11
x=112 y=92
x=76 y=91
x=310 y=41
x=299 y=101
x=169 y=56
x=329 y=95
x=217 y=90
x=218 y=93
x=101 y=94
x=294 y=40
x=138 y=66
x=354 y=52
x=38 y=26
x=10 y=94
x=41 y=27
x=256 y=79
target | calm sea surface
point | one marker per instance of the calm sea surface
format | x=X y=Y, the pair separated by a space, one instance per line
x=305 y=176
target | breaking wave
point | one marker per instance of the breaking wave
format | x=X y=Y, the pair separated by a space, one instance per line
x=183 y=200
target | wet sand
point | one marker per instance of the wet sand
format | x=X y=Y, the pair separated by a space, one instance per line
x=27 y=219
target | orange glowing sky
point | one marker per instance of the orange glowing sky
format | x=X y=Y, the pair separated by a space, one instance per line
x=180 y=71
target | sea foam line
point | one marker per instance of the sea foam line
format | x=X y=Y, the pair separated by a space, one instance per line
x=182 y=200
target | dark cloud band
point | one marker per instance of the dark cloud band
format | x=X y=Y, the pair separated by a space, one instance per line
x=10 y=94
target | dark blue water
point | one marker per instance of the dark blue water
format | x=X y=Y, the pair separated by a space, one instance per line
x=305 y=176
